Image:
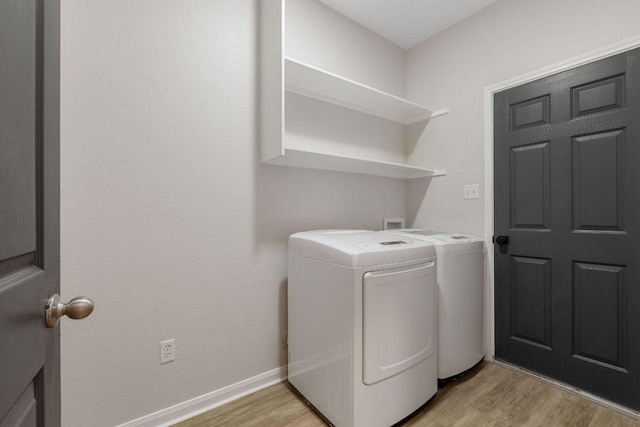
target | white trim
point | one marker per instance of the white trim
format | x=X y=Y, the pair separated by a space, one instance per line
x=573 y=390
x=209 y=401
x=489 y=91
x=488 y=224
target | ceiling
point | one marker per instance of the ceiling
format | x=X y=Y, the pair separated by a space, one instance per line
x=407 y=22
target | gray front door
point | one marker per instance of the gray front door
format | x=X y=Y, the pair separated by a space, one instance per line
x=567 y=195
x=29 y=211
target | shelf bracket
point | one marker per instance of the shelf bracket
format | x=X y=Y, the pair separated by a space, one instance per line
x=439 y=112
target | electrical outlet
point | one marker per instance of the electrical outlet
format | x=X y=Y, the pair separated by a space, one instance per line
x=392 y=223
x=471 y=191
x=167 y=351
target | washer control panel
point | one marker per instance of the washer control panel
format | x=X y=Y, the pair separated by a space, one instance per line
x=394 y=242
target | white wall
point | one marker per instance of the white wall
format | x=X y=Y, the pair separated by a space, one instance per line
x=320 y=36
x=168 y=221
x=451 y=69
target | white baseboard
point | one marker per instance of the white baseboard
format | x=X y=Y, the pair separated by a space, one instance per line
x=209 y=401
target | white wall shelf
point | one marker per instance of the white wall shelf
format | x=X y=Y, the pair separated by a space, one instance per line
x=280 y=74
x=307 y=80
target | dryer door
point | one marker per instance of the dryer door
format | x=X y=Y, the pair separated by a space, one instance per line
x=399 y=312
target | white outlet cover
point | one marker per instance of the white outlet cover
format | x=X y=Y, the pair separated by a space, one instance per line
x=167 y=351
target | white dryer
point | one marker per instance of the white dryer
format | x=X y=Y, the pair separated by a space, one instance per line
x=460 y=298
x=362 y=335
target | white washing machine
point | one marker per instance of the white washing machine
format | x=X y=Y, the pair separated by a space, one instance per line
x=362 y=334
x=460 y=298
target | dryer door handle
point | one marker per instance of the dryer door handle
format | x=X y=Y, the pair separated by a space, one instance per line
x=407 y=272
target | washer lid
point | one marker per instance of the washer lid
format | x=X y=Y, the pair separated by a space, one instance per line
x=359 y=248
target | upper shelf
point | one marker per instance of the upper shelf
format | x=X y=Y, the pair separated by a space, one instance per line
x=316 y=83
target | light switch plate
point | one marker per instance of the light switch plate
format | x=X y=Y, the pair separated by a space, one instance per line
x=471 y=191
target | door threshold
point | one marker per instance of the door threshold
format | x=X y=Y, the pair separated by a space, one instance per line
x=573 y=390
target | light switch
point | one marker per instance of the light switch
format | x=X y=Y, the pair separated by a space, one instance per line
x=471 y=191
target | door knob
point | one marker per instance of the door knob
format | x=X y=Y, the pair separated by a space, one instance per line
x=77 y=308
x=502 y=240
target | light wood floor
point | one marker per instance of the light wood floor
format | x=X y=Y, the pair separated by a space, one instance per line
x=488 y=396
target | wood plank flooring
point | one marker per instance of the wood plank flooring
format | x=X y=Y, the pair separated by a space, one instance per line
x=490 y=395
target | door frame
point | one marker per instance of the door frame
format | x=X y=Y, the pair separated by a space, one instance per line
x=489 y=92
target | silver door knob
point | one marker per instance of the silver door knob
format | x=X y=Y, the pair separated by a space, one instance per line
x=77 y=308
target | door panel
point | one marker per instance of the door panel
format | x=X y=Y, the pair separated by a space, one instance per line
x=534 y=112
x=29 y=211
x=599 y=96
x=21 y=313
x=530 y=204
x=600 y=314
x=530 y=302
x=24 y=412
x=600 y=187
x=17 y=123
x=568 y=197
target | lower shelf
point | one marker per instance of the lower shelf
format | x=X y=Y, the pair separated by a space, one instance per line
x=340 y=163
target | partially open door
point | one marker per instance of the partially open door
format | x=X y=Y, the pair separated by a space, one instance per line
x=29 y=211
